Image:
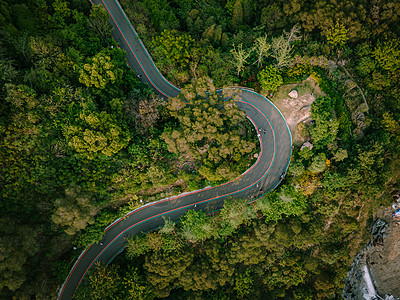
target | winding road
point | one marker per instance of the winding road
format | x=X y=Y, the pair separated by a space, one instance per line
x=264 y=175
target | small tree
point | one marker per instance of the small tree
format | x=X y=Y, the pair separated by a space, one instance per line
x=99 y=72
x=74 y=211
x=240 y=57
x=318 y=164
x=196 y=226
x=103 y=282
x=169 y=226
x=282 y=48
x=340 y=154
x=262 y=48
x=337 y=35
x=237 y=15
x=270 y=78
x=99 y=21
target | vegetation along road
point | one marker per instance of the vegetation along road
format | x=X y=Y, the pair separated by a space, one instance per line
x=264 y=175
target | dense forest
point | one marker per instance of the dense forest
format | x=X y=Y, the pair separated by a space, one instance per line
x=83 y=142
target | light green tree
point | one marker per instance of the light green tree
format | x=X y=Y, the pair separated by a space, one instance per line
x=99 y=72
x=337 y=34
x=94 y=134
x=387 y=54
x=270 y=78
x=61 y=12
x=340 y=154
x=240 y=56
x=296 y=168
x=169 y=226
x=262 y=48
x=243 y=283
x=196 y=226
x=318 y=163
x=174 y=48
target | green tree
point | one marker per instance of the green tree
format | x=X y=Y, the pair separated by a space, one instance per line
x=137 y=246
x=75 y=210
x=387 y=55
x=135 y=286
x=61 y=13
x=237 y=15
x=243 y=283
x=103 y=282
x=175 y=48
x=325 y=130
x=209 y=131
x=318 y=163
x=99 y=72
x=20 y=146
x=163 y=269
x=94 y=134
x=270 y=78
x=234 y=213
x=18 y=244
x=196 y=226
x=272 y=16
x=99 y=21
x=337 y=35
x=161 y=14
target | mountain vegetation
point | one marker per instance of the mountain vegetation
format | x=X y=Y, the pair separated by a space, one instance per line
x=83 y=142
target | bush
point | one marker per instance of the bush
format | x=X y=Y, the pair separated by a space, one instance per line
x=270 y=78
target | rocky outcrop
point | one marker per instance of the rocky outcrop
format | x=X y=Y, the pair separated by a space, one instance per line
x=306 y=145
x=293 y=94
x=359 y=283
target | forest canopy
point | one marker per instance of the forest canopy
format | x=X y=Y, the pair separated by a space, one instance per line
x=83 y=142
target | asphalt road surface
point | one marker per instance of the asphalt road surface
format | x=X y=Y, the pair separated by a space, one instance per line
x=264 y=175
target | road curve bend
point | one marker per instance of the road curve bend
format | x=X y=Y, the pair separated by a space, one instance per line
x=273 y=160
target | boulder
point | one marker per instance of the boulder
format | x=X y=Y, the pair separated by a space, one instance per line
x=293 y=94
x=306 y=144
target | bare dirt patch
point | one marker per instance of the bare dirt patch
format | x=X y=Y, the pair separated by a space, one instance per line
x=297 y=110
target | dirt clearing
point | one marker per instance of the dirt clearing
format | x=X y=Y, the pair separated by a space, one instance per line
x=297 y=110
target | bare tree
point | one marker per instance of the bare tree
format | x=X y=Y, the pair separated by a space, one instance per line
x=262 y=48
x=282 y=48
x=240 y=56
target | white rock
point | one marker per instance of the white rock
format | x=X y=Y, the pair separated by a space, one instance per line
x=293 y=94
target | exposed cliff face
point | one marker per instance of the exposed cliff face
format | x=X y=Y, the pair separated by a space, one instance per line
x=375 y=271
x=383 y=258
